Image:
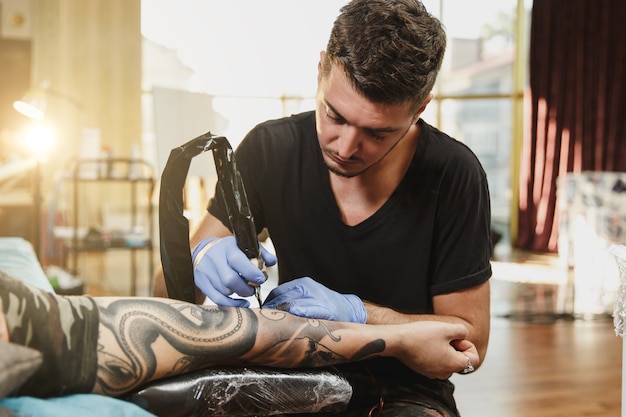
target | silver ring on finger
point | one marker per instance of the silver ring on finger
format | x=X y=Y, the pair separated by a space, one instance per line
x=470 y=368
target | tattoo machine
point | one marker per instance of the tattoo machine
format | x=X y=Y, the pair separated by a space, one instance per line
x=174 y=226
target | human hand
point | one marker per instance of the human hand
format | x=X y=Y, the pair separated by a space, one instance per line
x=435 y=349
x=222 y=269
x=306 y=297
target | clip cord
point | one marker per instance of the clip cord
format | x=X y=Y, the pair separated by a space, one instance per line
x=174 y=226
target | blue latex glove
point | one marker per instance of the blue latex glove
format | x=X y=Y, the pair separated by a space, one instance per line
x=306 y=297
x=221 y=269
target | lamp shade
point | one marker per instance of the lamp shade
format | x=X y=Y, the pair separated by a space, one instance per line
x=32 y=105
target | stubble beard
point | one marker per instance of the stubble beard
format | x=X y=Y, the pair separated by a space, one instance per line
x=340 y=173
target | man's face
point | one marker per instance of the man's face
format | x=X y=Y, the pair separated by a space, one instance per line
x=354 y=133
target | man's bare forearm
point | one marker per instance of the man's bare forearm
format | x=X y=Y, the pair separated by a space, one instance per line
x=469 y=307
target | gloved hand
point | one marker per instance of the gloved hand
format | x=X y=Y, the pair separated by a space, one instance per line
x=221 y=269
x=306 y=297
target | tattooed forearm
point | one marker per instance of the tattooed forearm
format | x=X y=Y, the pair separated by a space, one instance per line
x=156 y=338
x=307 y=343
x=114 y=345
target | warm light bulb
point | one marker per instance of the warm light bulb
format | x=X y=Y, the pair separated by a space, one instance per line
x=40 y=139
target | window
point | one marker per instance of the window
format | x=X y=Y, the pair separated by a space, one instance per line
x=478 y=95
x=215 y=48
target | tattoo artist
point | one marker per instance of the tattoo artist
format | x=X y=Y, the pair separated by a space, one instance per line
x=376 y=216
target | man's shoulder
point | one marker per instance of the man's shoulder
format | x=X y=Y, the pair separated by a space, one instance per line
x=443 y=148
x=278 y=141
x=300 y=121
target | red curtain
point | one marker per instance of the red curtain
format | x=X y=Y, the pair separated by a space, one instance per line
x=576 y=106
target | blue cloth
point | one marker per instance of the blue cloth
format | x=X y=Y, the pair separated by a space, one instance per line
x=78 y=405
x=19 y=260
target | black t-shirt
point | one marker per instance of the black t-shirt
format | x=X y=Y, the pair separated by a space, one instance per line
x=431 y=237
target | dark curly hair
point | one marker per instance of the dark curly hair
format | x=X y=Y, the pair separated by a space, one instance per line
x=391 y=50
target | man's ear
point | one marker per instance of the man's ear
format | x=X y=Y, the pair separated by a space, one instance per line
x=320 y=65
x=423 y=107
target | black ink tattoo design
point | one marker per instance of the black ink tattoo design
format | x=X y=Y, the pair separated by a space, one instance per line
x=204 y=337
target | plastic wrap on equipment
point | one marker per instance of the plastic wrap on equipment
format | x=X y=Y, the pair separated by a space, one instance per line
x=246 y=391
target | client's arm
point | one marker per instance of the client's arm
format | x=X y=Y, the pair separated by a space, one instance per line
x=114 y=345
x=146 y=339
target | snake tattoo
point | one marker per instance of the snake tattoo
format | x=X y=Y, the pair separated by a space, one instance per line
x=202 y=337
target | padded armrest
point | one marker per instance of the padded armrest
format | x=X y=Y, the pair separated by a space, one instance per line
x=253 y=391
x=20 y=260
